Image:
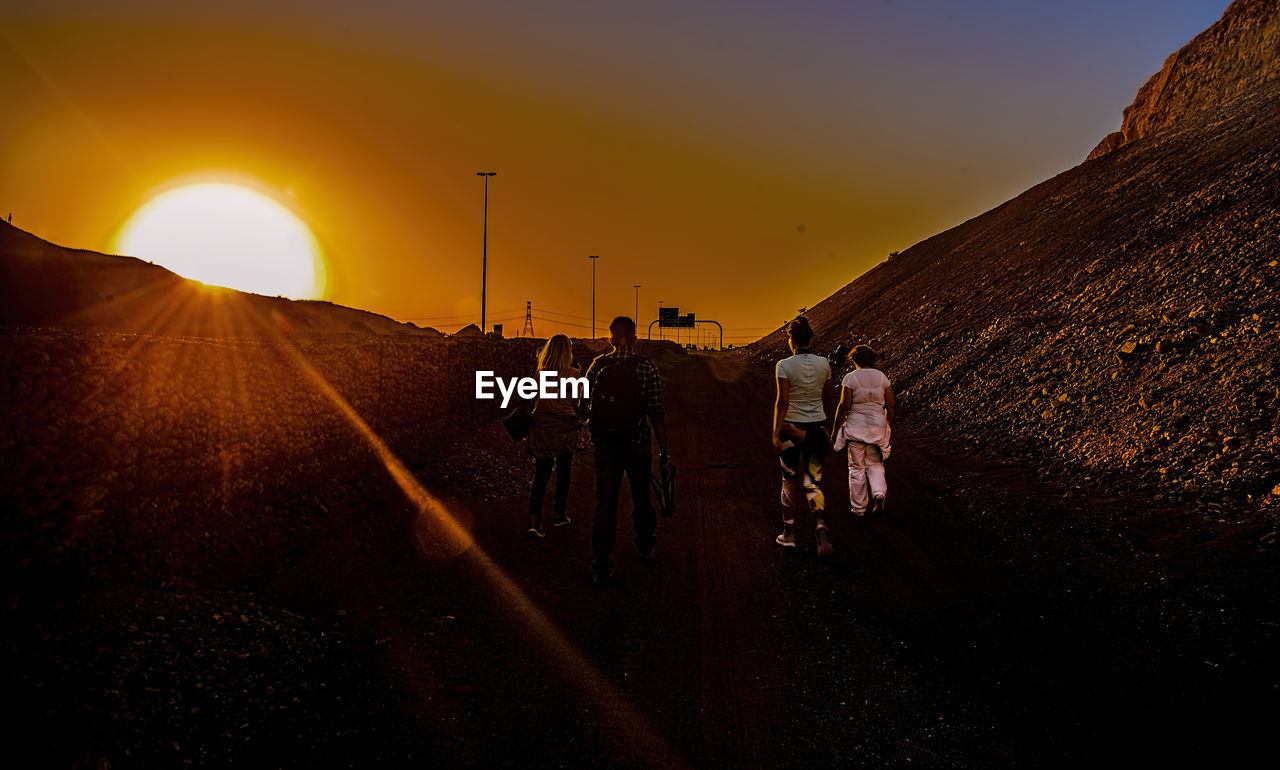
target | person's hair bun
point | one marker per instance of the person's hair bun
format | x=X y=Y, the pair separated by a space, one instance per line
x=800 y=331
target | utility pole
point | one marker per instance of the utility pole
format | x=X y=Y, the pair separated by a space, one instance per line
x=593 y=258
x=637 y=316
x=484 y=245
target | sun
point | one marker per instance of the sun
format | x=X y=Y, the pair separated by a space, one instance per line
x=227 y=235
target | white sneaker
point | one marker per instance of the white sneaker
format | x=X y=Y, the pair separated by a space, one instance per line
x=787 y=539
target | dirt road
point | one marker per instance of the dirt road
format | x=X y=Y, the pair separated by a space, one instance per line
x=943 y=633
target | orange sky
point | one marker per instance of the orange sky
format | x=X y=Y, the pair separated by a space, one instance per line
x=736 y=160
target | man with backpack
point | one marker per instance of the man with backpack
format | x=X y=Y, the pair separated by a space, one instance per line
x=625 y=399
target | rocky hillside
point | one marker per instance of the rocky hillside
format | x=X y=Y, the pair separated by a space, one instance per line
x=1119 y=321
x=42 y=284
x=1227 y=61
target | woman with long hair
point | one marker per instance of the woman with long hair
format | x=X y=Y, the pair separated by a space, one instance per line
x=552 y=437
x=863 y=420
x=800 y=433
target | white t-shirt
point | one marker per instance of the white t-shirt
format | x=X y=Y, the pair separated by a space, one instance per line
x=806 y=373
x=866 y=386
x=866 y=421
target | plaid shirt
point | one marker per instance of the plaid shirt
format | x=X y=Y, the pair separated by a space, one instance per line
x=650 y=385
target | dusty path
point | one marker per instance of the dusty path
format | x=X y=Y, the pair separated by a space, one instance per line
x=925 y=641
x=989 y=619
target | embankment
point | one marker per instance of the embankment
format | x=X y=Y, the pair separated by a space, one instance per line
x=197 y=456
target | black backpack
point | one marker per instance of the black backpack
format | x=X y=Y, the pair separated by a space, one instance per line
x=617 y=402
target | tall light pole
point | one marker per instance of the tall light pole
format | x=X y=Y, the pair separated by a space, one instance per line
x=661 y=334
x=637 y=318
x=484 y=245
x=593 y=258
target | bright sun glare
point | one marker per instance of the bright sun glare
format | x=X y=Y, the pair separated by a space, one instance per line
x=227 y=235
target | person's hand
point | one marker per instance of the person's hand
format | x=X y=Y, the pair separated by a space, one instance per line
x=789 y=431
x=777 y=443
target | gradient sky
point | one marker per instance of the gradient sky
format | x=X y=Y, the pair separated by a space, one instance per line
x=737 y=159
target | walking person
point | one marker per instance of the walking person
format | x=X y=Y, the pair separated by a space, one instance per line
x=553 y=435
x=800 y=433
x=625 y=401
x=863 y=420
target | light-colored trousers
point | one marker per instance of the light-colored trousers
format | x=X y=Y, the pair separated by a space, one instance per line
x=866 y=469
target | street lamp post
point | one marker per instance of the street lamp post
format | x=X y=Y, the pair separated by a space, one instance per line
x=661 y=334
x=484 y=245
x=593 y=258
x=637 y=318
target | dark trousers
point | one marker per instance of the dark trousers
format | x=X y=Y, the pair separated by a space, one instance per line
x=542 y=474
x=611 y=463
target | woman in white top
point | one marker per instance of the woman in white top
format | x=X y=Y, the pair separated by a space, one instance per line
x=863 y=420
x=800 y=432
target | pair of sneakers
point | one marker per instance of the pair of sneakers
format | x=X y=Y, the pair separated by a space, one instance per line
x=876 y=506
x=535 y=524
x=602 y=572
x=788 y=539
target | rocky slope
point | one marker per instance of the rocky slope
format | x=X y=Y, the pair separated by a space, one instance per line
x=1118 y=321
x=1229 y=60
x=42 y=284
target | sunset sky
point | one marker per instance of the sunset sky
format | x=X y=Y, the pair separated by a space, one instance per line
x=737 y=159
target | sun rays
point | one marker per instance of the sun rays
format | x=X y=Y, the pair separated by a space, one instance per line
x=231 y=320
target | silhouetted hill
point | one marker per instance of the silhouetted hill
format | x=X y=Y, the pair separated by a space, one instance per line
x=42 y=284
x=1120 y=319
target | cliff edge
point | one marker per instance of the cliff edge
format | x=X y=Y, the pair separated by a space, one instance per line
x=1229 y=60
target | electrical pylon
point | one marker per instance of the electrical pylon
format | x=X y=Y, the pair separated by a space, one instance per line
x=528 y=319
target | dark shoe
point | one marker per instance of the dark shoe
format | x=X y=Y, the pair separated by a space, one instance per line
x=647 y=545
x=602 y=575
x=561 y=520
x=535 y=527
x=825 y=548
x=788 y=537
x=877 y=504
